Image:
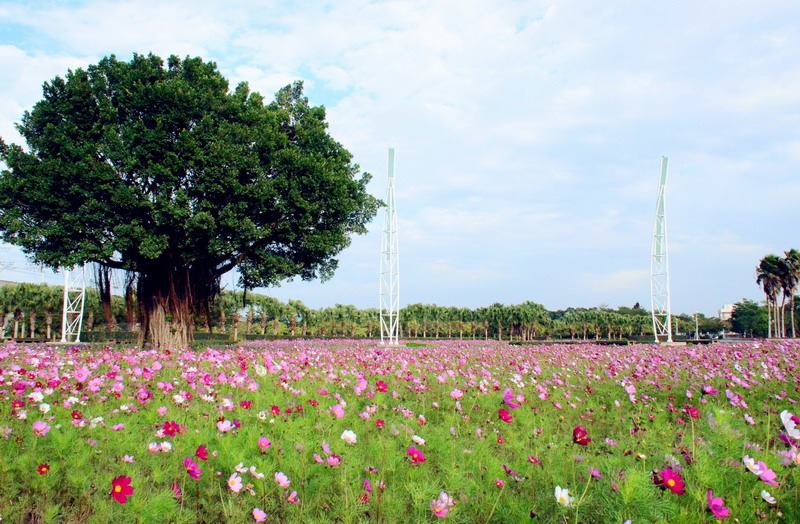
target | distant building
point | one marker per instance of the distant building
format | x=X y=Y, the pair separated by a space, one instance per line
x=726 y=312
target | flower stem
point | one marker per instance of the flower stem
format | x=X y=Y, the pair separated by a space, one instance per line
x=496 y=500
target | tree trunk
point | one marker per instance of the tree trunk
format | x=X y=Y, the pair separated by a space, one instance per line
x=32 y=317
x=130 y=301
x=103 y=279
x=769 y=318
x=791 y=312
x=166 y=303
x=48 y=321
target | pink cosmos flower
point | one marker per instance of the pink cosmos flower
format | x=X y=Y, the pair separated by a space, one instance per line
x=337 y=410
x=767 y=475
x=717 y=506
x=441 y=506
x=282 y=480
x=162 y=411
x=509 y=399
x=334 y=460
x=292 y=498
x=40 y=428
x=504 y=415
x=259 y=515
x=235 y=483
x=224 y=426
x=456 y=394
x=264 y=443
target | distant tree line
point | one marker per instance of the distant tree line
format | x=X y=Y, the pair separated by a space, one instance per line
x=235 y=315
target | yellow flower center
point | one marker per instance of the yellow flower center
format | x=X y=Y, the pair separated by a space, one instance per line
x=671 y=483
x=117 y=489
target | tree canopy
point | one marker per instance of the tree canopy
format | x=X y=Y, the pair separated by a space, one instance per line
x=165 y=172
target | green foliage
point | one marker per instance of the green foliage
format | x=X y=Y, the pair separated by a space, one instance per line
x=162 y=170
x=749 y=318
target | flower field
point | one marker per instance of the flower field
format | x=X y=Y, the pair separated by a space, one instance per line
x=348 y=431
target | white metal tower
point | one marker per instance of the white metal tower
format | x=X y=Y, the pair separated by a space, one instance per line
x=390 y=267
x=659 y=266
x=74 y=295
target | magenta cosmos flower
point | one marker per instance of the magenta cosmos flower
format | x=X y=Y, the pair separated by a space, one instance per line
x=717 y=506
x=504 y=415
x=671 y=480
x=192 y=468
x=416 y=455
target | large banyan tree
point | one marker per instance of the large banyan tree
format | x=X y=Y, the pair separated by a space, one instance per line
x=165 y=172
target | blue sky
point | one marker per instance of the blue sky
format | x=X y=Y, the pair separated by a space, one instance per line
x=528 y=133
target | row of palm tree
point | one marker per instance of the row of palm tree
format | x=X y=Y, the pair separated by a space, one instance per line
x=779 y=278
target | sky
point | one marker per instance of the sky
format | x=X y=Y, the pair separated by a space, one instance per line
x=528 y=134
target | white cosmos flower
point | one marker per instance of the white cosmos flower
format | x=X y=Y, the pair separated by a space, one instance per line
x=752 y=465
x=562 y=496
x=260 y=370
x=349 y=437
x=44 y=408
x=767 y=497
x=36 y=396
x=419 y=441
x=791 y=426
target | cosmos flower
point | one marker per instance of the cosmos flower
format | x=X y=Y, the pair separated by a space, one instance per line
x=440 y=506
x=192 y=469
x=43 y=469
x=235 y=482
x=349 y=437
x=792 y=424
x=563 y=498
x=717 y=506
x=121 y=489
x=264 y=443
x=752 y=465
x=671 y=480
x=282 y=480
x=259 y=515
x=40 y=428
x=416 y=455
x=504 y=415
x=769 y=499
x=201 y=452
x=580 y=435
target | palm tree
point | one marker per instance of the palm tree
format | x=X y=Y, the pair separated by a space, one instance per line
x=792 y=280
x=768 y=277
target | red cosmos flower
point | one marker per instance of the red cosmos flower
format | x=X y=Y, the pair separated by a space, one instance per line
x=379 y=423
x=276 y=411
x=171 y=428
x=246 y=404
x=43 y=469
x=504 y=415
x=580 y=435
x=76 y=415
x=416 y=455
x=202 y=452
x=16 y=404
x=313 y=403
x=121 y=489
x=382 y=386
x=671 y=480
